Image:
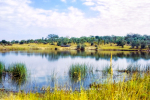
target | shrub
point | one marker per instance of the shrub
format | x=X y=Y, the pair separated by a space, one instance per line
x=78 y=46
x=149 y=46
x=59 y=43
x=82 y=47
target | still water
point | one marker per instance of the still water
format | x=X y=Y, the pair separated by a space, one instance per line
x=51 y=68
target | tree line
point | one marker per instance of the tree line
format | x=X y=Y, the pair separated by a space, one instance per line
x=134 y=40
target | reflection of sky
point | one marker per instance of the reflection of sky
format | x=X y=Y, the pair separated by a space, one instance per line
x=41 y=68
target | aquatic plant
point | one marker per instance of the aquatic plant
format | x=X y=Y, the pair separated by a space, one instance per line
x=18 y=70
x=78 y=71
x=133 y=68
x=107 y=69
x=2 y=67
x=135 y=89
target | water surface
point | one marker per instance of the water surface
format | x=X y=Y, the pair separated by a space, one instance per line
x=50 y=68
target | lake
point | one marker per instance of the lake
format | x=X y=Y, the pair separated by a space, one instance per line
x=51 y=68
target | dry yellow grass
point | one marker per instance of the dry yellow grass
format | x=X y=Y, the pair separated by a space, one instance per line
x=41 y=46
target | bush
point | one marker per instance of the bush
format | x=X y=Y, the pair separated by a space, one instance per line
x=149 y=46
x=78 y=46
x=58 y=43
x=52 y=43
x=82 y=47
x=92 y=44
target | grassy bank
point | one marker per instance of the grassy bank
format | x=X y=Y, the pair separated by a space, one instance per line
x=35 y=46
x=138 y=88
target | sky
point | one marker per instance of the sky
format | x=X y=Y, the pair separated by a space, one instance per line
x=34 y=19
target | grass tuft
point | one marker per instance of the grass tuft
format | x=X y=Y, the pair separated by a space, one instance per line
x=18 y=70
x=2 y=67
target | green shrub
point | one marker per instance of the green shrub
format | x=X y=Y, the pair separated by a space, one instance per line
x=82 y=47
x=78 y=46
x=58 y=43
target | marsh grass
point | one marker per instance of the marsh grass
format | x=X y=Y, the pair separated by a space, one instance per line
x=135 y=89
x=79 y=71
x=18 y=70
x=2 y=68
x=133 y=68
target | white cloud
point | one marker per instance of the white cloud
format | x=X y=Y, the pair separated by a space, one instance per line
x=63 y=0
x=89 y=3
x=115 y=17
x=73 y=0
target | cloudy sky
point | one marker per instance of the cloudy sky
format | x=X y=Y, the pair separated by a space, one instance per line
x=32 y=19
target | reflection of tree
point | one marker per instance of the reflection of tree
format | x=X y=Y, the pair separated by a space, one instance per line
x=55 y=55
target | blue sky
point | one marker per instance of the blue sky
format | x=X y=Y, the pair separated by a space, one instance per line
x=32 y=19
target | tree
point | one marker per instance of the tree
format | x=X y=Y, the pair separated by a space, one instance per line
x=52 y=36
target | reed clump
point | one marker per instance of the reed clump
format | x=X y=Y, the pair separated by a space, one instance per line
x=2 y=68
x=78 y=70
x=18 y=70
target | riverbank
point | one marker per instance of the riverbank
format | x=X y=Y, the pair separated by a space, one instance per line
x=35 y=46
x=135 y=89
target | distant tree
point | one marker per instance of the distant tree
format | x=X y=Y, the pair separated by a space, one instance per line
x=121 y=42
x=4 y=41
x=13 y=41
x=143 y=44
x=52 y=37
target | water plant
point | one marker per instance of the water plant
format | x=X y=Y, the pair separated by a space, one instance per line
x=2 y=67
x=18 y=70
x=78 y=71
x=133 y=68
x=135 y=89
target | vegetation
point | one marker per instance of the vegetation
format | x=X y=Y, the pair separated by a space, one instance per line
x=18 y=70
x=78 y=71
x=2 y=68
x=136 y=68
x=135 y=89
x=131 y=40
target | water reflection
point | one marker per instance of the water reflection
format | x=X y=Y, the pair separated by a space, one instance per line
x=42 y=63
x=55 y=55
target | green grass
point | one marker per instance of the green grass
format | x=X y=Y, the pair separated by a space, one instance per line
x=18 y=70
x=107 y=70
x=135 y=89
x=2 y=67
x=79 y=71
x=19 y=73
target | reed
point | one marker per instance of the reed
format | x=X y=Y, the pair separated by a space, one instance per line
x=135 y=89
x=79 y=71
x=2 y=68
x=18 y=70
